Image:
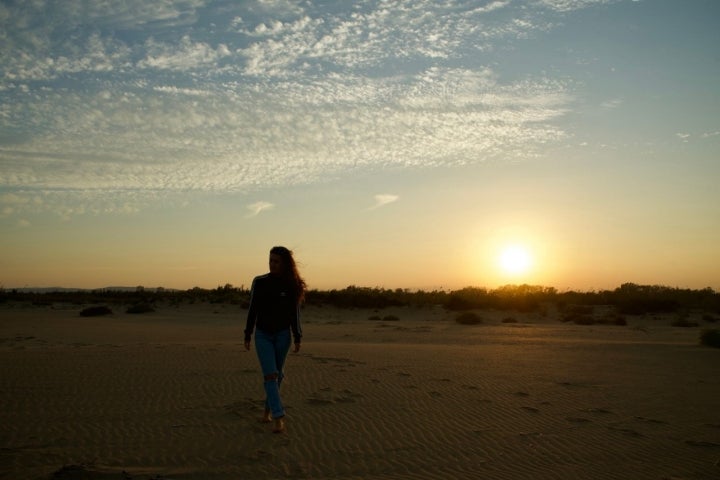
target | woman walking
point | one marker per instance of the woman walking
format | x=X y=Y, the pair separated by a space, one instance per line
x=274 y=313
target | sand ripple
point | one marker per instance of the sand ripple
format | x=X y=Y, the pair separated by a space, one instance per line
x=386 y=409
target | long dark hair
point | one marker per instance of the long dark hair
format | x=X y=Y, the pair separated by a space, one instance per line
x=290 y=272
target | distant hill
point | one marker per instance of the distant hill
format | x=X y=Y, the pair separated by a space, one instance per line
x=105 y=289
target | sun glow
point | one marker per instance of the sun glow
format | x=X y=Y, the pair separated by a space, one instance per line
x=515 y=260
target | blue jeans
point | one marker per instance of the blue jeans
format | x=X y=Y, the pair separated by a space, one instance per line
x=272 y=350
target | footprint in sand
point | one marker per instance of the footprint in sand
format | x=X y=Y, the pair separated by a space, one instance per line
x=626 y=431
x=262 y=455
x=578 y=420
x=348 y=396
x=702 y=443
x=335 y=360
x=327 y=397
x=241 y=407
x=601 y=411
x=573 y=384
x=323 y=397
x=345 y=400
x=651 y=420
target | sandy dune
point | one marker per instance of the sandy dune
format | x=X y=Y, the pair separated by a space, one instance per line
x=173 y=395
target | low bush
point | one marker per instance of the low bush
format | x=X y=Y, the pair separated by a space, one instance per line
x=469 y=318
x=390 y=318
x=710 y=338
x=579 y=309
x=613 y=319
x=578 y=319
x=140 y=308
x=583 y=320
x=95 y=311
x=683 y=322
x=509 y=320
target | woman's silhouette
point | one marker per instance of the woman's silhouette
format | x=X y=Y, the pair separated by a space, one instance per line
x=274 y=314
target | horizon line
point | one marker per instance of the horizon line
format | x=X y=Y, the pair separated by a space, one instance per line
x=155 y=289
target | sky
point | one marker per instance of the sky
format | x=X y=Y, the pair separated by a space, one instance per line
x=389 y=143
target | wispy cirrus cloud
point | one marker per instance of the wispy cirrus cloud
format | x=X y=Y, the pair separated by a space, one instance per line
x=611 y=104
x=189 y=96
x=570 y=5
x=295 y=134
x=383 y=199
x=258 y=207
x=185 y=56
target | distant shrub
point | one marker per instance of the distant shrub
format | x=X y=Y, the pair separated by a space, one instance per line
x=509 y=320
x=95 y=311
x=374 y=317
x=710 y=338
x=684 y=322
x=709 y=318
x=140 y=308
x=468 y=318
x=578 y=319
x=583 y=320
x=612 y=319
x=390 y=318
x=632 y=299
x=521 y=298
x=579 y=309
x=468 y=298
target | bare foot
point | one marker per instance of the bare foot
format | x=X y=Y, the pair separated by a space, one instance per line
x=279 y=426
x=266 y=418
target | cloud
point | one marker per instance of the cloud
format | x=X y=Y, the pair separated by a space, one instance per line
x=360 y=39
x=383 y=199
x=611 y=104
x=244 y=136
x=181 y=91
x=570 y=5
x=257 y=207
x=187 y=55
x=119 y=105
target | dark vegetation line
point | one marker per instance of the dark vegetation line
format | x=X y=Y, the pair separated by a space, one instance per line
x=629 y=298
x=574 y=307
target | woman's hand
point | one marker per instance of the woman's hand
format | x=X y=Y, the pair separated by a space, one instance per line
x=297 y=348
x=247 y=345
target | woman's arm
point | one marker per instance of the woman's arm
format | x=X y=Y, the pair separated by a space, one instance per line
x=251 y=316
x=296 y=328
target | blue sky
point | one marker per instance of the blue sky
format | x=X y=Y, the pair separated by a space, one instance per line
x=389 y=143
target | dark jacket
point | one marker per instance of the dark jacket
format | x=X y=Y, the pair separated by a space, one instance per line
x=273 y=307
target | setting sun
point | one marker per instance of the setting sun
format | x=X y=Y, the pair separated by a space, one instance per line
x=515 y=260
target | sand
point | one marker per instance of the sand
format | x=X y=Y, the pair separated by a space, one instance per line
x=173 y=395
